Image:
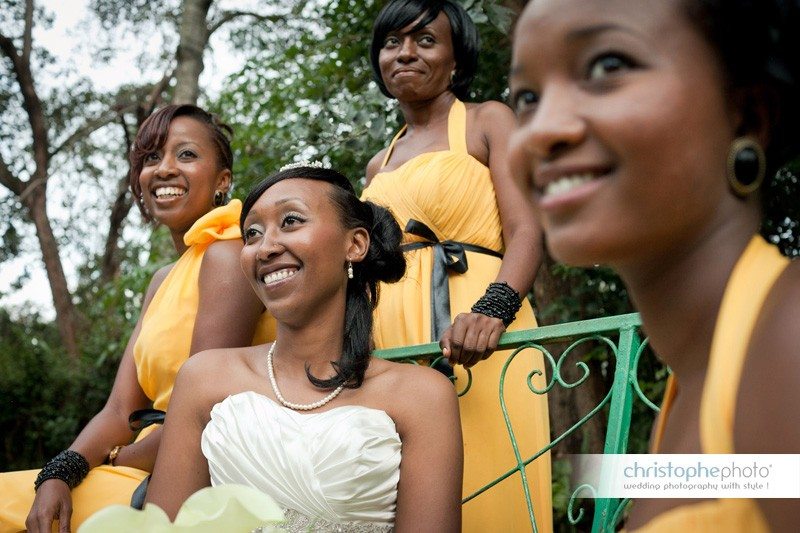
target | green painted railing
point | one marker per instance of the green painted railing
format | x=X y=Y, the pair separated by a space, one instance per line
x=620 y=334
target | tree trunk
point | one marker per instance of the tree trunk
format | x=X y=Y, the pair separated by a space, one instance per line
x=193 y=39
x=66 y=315
x=33 y=193
x=110 y=263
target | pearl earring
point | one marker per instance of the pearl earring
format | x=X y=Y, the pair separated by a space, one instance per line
x=350 y=270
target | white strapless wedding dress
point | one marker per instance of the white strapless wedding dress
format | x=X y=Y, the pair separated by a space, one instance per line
x=331 y=471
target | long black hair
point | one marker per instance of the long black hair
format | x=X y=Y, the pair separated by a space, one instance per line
x=384 y=261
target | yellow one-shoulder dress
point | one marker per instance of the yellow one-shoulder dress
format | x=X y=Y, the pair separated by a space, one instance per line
x=162 y=347
x=450 y=193
x=751 y=280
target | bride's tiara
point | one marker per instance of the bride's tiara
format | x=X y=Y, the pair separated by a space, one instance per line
x=304 y=163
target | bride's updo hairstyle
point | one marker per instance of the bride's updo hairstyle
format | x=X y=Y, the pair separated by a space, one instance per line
x=384 y=261
x=758 y=45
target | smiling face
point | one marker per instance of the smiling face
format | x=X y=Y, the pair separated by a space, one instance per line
x=296 y=248
x=178 y=181
x=417 y=65
x=623 y=128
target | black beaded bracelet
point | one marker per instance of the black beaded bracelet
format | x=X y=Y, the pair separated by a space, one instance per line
x=69 y=466
x=500 y=301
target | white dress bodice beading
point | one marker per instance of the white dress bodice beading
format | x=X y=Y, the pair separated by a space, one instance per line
x=336 y=470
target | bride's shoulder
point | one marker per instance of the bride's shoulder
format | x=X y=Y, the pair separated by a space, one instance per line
x=218 y=360
x=210 y=375
x=415 y=384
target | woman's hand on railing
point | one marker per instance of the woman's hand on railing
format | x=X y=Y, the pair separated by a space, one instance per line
x=471 y=338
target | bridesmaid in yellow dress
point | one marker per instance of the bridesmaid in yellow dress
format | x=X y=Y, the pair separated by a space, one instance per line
x=180 y=177
x=445 y=178
x=652 y=137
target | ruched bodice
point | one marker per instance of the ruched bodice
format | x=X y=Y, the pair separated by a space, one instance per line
x=338 y=467
x=449 y=191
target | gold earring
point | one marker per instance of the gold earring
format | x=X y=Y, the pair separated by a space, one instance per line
x=747 y=166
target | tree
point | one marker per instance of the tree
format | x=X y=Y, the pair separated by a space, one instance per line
x=196 y=27
x=56 y=131
x=306 y=90
x=31 y=191
x=76 y=137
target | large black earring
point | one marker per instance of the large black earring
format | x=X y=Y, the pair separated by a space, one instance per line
x=219 y=198
x=747 y=166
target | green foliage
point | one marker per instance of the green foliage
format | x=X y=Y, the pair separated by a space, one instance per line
x=42 y=394
x=594 y=293
x=781 y=224
x=47 y=399
x=10 y=242
x=111 y=12
x=306 y=91
x=562 y=490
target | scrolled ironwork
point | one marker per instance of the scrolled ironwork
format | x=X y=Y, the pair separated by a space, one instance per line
x=625 y=388
x=539 y=372
x=574 y=496
x=522 y=463
x=580 y=364
x=452 y=379
x=602 y=403
x=556 y=376
x=616 y=516
x=635 y=378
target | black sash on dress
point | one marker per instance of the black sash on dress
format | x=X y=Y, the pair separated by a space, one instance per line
x=448 y=256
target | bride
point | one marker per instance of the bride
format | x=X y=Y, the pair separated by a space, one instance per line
x=313 y=420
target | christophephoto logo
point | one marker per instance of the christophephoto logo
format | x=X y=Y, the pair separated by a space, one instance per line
x=690 y=475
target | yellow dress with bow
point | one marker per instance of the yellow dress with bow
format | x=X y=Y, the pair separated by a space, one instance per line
x=450 y=194
x=162 y=347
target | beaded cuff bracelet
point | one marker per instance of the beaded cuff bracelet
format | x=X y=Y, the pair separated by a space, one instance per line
x=69 y=466
x=500 y=301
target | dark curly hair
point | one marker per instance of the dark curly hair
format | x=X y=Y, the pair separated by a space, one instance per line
x=153 y=134
x=398 y=14
x=758 y=45
x=384 y=261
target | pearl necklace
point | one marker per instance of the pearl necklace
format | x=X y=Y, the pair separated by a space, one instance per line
x=290 y=405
